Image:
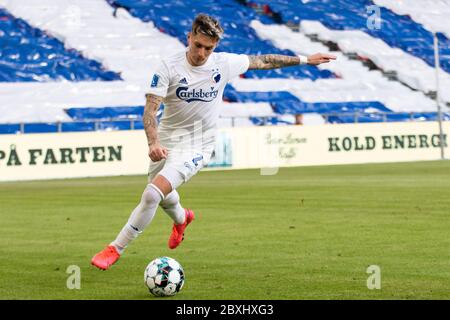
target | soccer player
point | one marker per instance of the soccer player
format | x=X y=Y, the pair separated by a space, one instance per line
x=191 y=85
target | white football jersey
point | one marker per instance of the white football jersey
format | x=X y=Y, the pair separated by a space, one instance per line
x=193 y=96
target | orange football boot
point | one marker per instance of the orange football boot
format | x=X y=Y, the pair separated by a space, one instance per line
x=178 y=230
x=105 y=258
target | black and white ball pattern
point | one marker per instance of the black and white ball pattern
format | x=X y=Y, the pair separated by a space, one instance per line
x=164 y=276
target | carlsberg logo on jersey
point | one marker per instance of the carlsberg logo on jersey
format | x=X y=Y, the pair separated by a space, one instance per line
x=196 y=94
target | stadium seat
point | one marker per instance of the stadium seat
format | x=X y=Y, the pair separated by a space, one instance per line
x=40 y=127
x=9 y=128
x=113 y=125
x=231 y=95
x=105 y=113
x=29 y=54
x=78 y=126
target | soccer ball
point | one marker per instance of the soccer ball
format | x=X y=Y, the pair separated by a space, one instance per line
x=164 y=277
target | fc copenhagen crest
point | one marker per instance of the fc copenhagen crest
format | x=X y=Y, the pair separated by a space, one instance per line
x=216 y=76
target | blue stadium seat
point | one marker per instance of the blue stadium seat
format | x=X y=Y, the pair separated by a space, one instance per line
x=360 y=118
x=40 y=127
x=295 y=107
x=431 y=116
x=111 y=113
x=232 y=95
x=77 y=126
x=29 y=54
x=8 y=128
x=138 y=125
x=114 y=125
x=388 y=117
x=264 y=121
x=105 y=113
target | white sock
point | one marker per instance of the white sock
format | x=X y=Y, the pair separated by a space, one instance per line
x=171 y=205
x=141 y=216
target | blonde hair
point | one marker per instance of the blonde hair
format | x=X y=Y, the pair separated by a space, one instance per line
x=208 y=26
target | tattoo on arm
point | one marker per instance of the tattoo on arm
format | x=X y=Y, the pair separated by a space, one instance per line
x=272 y=61
x=149 y=118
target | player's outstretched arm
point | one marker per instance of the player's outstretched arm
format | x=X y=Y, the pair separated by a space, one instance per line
x=156 y=152
x=273 y=61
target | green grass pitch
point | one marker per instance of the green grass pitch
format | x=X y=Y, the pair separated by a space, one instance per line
x=304 y=233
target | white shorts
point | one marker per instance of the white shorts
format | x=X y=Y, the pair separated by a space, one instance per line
x=179 y=167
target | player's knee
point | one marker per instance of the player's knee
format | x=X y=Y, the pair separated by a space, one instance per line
x=171 y=200
x=151 y=195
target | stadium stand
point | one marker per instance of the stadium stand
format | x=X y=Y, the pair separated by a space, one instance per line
x=411 y=56
x=129 y=36
x=29 y=54
x=410 y=70
x=178 y=28
x=175 y=18
x=370 y=84
x=433 y=18
x=398 y=31
x=122 y=43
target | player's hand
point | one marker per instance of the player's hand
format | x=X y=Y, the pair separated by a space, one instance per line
x=319 y=58
x=157 y=152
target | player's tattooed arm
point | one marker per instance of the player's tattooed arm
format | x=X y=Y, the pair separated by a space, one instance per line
x=273 y=61
x=156 y=151
x=150 y=123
